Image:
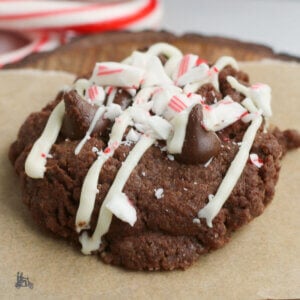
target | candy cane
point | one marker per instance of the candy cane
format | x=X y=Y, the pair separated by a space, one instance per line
x=79 y=16
x=72 y=17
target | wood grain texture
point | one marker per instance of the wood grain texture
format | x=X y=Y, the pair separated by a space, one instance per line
x=80 y=55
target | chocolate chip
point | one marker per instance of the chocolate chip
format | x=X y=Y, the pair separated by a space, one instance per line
x=78 y=117
x=199 y=145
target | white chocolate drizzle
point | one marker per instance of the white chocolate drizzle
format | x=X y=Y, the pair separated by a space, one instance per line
x=35 y=164
x=232 y=176
x=168 y=92
x=109 y=204
x=259 y=93
x=89 y=187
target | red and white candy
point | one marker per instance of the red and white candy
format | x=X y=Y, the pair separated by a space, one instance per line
x=52 y=23
x=122 y=208
x=258 y=162
x=222 y=114
x=79 y=16
x=117 y=75
x=187 y=62
x=95 y=94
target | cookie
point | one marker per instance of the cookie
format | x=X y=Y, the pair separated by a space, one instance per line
x=153 y=161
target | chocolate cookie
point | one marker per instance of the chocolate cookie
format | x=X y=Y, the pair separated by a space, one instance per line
x=152 y=164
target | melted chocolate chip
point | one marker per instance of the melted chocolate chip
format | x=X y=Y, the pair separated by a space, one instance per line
x=78 y=117
x=199 y=145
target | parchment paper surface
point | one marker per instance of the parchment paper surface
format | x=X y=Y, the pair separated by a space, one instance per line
x=261 y=261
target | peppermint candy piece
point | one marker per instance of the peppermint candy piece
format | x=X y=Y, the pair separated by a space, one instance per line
x=258 y=162
x=122 y=208
x=95 y=94
x=196 y=74
x=118 y=75
x=187 y=62
x=222 y=114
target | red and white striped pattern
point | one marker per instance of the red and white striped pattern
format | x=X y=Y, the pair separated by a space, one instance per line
x=177 y=104
x=96 y=94
x=38 y=42
x=187 y=62
x=53 y=21
x=117 y=75
x=80 y=16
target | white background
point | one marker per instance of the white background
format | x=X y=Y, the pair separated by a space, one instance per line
x=274 y=23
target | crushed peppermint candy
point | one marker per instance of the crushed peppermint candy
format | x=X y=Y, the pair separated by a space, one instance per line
x=258 y=162
x=170 y=157
x=159 y=193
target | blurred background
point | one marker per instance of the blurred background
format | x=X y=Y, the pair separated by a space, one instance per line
x=42 y=25
x=275 y=23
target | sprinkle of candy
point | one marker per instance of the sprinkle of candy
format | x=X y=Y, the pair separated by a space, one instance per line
x=258 y=162
x=107 y=150
x=103 y=70
x=159 y=193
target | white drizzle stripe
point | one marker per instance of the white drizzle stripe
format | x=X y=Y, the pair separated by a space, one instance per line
x=37 y=158
x=166 y=49
x=247 y=103
x=259 y=93
x=179 y=123
x=111 y=96
x=89 y=187
x=224 y=61
x=105 y=216
x=88 y=194
x=233 y=174
x=100 y=111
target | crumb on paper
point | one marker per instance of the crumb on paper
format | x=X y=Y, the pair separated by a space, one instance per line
x=159 y=193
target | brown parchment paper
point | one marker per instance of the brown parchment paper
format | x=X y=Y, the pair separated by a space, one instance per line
x=261 y=261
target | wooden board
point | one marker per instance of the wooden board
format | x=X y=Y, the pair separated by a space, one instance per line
x=80 y=55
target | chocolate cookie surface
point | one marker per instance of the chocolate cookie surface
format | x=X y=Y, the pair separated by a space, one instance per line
x=166 y=193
